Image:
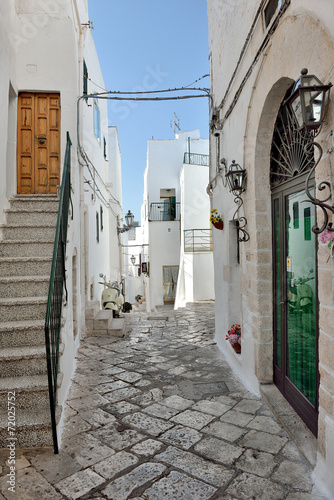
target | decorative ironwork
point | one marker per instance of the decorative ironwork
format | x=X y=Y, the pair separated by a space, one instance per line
x=198 y=240
x=164 y=210
x=196 y=159
x=309 y=150
x=56 y=289
x=240 y=224
x=288 y=155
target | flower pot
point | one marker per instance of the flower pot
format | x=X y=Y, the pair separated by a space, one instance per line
x=237 y=347
x=219 y=225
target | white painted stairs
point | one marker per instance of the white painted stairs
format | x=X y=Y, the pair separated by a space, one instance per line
x=26 y=248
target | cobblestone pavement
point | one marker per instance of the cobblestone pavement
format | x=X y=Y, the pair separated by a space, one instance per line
x=159 y=415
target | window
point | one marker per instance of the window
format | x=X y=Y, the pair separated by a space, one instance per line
x=270 y=9
x=97 y=120
x=97 y=228
x=101 y=217
x=104 y=148
x=85 y=80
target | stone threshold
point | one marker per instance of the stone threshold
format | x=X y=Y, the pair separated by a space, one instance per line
x=304 y=439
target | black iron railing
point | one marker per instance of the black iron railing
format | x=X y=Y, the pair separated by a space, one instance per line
x=56 y=289
x=198 y=240
x=164 y=211
x=196 y=159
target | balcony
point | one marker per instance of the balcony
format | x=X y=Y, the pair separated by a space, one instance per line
x=198 y=240
x=196 y=159
x=164 y=210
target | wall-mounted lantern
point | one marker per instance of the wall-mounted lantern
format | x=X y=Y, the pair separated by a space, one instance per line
x=129 y=217
x=133 y=260
x=308 y=103
x=236 y=178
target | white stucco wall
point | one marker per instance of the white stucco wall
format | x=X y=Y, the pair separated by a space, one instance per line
x=304 y=37
x=164 y=245
x=165 y=170
x=8 y=104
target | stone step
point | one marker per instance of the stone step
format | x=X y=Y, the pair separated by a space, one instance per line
x=31 y=392
x=91 y=309
x=26 y=202
x=103 y=319
x=115 y=330
x=25 y=266
x=22 y=333
x=27 y=232
x=33 y=428
x=28 y=248
x=117 y=327
x=24 y=308
x=18 y=361
x=40 y=216
x=25 y=286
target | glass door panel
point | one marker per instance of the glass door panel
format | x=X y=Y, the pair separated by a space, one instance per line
x=170 y=275
x=277 y=283
x=301 y=294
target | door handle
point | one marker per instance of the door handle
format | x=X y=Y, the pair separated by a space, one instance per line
x=41 y=141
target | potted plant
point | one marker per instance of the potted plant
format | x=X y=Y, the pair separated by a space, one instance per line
x=234 y=338
x=216 y=219
x=327 y=238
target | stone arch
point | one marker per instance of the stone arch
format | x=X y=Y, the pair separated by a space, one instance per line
x=279 y=68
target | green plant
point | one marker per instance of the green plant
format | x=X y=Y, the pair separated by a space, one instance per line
x=127 y=307
x=215 y=217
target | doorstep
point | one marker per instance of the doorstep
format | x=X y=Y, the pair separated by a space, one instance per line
x=301 y=435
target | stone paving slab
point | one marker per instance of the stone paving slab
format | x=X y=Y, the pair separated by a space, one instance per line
x=181 y=487
x=157 y=415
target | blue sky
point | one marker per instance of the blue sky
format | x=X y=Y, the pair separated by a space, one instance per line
x=150 y=45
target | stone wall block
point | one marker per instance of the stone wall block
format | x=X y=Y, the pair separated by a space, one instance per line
x=263 y=362
x=325 y=286
x=326 y=401
x=326 y=351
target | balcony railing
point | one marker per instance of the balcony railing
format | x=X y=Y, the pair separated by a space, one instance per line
x=164 y=211
x=196 y=159
x=198 y=240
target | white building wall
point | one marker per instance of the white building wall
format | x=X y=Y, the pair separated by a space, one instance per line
x=304 y=37
x=165 y=238
x=42 y=47
x=8 y=100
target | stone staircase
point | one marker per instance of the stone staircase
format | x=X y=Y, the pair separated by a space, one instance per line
x=101 y=322
x=26 y=249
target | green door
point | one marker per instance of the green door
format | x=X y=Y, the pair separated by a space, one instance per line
x=295 y=301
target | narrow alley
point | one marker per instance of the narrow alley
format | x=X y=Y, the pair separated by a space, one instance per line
x=157 y=415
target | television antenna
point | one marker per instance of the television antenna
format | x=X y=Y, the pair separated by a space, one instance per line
x=175 y=123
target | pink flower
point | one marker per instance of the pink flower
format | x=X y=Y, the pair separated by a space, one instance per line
x=327 y=236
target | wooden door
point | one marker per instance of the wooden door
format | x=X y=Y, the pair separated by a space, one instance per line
x=38 y=143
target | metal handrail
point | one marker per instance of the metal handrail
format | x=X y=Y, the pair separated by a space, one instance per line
x=196 y=159
x=198 y=240
x=164 y=211
x=56 y=289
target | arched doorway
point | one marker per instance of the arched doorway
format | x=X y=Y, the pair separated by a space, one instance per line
x=295 y=300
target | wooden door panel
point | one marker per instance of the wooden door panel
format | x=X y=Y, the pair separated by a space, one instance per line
x=38 y=152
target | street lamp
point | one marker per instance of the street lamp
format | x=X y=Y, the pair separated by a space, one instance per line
x=236 y=178
x=129 y=217
x=133 y=259
x=308 y=103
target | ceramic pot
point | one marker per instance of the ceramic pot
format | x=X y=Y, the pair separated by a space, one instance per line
x=219 y=225
x=237 y=347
